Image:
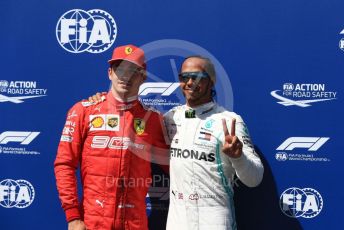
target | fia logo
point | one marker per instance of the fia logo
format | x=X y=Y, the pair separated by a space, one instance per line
x=341 y=42
x=93 y=31
x=16 y=193
x=296 y=202
x=288 y=87
x=280 y=156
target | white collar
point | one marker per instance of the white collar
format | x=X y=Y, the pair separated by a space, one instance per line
x=129 y=99
x=202 y=109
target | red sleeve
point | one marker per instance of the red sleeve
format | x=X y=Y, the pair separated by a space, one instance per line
x=67 y=161
x=160 y=146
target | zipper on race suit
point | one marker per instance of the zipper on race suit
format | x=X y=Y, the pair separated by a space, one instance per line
x=122 y=202
x=122 y=178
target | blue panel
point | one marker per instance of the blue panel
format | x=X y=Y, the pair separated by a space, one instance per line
x=279 y=64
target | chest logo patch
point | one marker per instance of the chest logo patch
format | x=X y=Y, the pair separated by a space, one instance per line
x=139 y=126
x=97 y=122
x=104 y=122
x=112 y=122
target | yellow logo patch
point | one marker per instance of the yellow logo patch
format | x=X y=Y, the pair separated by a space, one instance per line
x=139 y=126
x=128 y=50
x=97 y=122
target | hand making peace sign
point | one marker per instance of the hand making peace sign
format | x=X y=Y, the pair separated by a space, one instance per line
x=232 y=146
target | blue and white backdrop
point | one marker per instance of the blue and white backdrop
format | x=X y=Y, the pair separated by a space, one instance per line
x=280 y=64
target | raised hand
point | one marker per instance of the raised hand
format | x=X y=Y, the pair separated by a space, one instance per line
x=232 y=146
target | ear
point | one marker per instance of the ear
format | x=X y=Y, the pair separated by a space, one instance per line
x=109 y=73
x=211 y=84
x=144 y=76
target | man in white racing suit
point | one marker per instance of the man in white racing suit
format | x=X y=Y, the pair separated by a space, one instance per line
x=205 y=156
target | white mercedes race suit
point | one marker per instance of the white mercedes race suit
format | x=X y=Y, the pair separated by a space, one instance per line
x=201 y=176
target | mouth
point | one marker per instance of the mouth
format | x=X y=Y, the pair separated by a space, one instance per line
x=191 y=90
x=124 y=84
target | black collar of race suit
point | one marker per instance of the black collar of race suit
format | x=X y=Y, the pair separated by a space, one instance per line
x=199 y=110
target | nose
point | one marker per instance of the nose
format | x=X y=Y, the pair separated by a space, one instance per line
x=190 y=81
x=125 y=77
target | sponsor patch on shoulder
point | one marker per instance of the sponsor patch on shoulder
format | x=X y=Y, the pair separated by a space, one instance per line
x=66 y=138
x=87 y=103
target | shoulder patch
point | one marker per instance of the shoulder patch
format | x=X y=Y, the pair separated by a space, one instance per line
x=87 y=103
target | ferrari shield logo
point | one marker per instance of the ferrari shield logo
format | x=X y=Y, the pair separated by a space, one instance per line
x=139 y=126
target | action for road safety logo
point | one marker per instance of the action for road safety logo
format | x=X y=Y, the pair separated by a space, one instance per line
x=19 y=91
x=93 y=31
x=341 y=42
x=303 y=95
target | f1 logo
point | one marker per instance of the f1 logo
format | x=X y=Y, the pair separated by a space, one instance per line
x=310 y=143
x=165 y=88
x=24 y=138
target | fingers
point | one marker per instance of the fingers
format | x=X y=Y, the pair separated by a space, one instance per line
x=233 y=127
x=224 y=125
x=232 y=147
x=98 y=97
x=232 y=140
x=225 y=129
x=95 y=98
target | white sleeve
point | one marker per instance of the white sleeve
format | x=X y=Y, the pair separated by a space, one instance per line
x=168 y=121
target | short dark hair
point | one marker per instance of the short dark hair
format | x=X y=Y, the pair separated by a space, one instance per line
x=209 y=66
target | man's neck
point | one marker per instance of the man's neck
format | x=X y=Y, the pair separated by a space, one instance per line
x=123 y=97
x=194 y=104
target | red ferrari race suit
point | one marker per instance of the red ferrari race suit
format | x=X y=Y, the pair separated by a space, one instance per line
x=114 y=143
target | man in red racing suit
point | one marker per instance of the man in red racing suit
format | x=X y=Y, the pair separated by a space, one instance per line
x=113 y=142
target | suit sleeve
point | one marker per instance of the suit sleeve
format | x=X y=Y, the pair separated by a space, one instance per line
x=248 y=167
x=168 y=121
x=160 y=144
x=67 y=161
